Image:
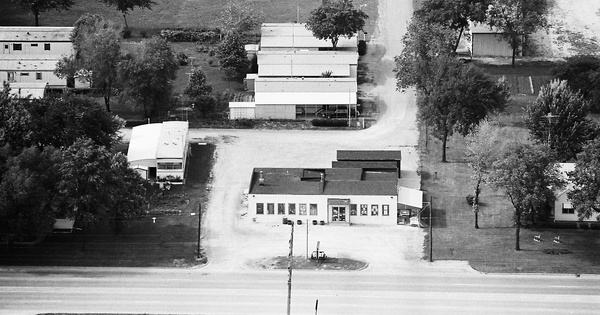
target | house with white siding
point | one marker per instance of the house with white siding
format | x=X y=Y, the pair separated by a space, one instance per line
x=488 y=42
x=563 y=208
x=299 y=75
x=29 y=56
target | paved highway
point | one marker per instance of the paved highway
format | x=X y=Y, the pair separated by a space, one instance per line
x=422 y=290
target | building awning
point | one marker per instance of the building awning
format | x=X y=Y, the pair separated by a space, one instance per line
x=410 y=197
x=338 y=201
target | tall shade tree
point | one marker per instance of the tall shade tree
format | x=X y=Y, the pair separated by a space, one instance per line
x=59 y=121
x=40 y=6
x=585 y=195
x=147 y=74
x=517 y=19
x=423 y=42
x=97 y=186
x=483 y=147
x=239 y=17
x=454 y=14
x=334 y=19
x=527 y=176
x=456 y=97
x=232 y=57
x=15 y=121
x=558 y=118
x=198 y=92
x=582 y=73
x=97 y=54
x=29 y=193
x=124 y=6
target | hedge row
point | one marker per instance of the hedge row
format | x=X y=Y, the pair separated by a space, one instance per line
x=204 y=35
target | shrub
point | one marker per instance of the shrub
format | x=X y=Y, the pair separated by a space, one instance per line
x=329 y=123
x=182 y=59
x=470 y=199
x=144 y=34
x=244 y=123
x=203 y=35
x=126 y=33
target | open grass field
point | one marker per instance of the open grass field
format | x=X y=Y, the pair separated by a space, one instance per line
x=168 y=241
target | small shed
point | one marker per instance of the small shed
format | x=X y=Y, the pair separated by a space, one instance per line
x=487 y=41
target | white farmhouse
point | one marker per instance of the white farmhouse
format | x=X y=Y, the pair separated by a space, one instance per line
x=563 y=209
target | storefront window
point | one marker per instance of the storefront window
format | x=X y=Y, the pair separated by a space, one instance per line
x=281 y=208
x=353 y=209
x=363 y=210
x=302 y=209
x=313 y=209
x=260 y=208
x=374 y=210
x=291 y=208
x=270 y=208
x=385 y=210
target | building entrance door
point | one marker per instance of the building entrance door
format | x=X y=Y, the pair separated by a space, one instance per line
x=338 y=213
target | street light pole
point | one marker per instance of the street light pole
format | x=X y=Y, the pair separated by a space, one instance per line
x=289 y=298
x=199 y=225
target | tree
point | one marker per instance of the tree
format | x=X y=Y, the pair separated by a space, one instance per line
x=147 y=74
x=29 y=193
x=456 y=97
x=97 y=54
x=423 y=42
x=582 y=73
x=239 y=18
x=454 y=14
x=527 y=175
x=97 y=185
x=198 y=92
x=124 y=6
x=517 y=19
x=59 y=121
x=40 y=6
x=483 y=146
x=15 y=121
x=558 y=118
x=585 y=195
x=334 y=19
x=232 y=57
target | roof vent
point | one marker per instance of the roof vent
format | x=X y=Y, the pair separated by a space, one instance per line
x=322 y=177
x=261 y=179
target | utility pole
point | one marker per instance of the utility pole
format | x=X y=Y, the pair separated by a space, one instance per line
x=199 y=225
x=430 y=229
x=289 y=299
x=306 y=239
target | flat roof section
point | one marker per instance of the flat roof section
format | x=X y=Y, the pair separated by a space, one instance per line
x=369 y=155
x=295 y=35
x=36 y=34
x=172 y=140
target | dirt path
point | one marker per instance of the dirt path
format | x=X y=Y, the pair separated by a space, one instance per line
x=231 y=238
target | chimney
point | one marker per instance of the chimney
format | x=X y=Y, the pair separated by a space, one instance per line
x=261 y=179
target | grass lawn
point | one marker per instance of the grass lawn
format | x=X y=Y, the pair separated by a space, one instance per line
x=169 y=241
x=491 y=248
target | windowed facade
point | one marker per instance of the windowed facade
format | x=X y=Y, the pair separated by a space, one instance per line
x=353 y=209
x=374 y=210
x=281 y=208
x=385 y=210
x=270 y=208
x=260 y=208
x=363 y=209
x=567 y=209
x=313 y=209
x=302 y=209
x=169 y=166
x=291 y=208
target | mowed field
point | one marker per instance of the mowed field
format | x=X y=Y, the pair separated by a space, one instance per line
x=172 y=13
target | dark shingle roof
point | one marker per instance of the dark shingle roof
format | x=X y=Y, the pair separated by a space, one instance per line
x=340 y=181
x=369 y=155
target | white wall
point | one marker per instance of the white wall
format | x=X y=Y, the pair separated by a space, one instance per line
x=275 y=111
x=31 y=76
x=30 y=48
x=324 y=212
x=558 y=210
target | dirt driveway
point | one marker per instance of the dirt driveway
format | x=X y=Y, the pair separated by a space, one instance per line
x=230 y=237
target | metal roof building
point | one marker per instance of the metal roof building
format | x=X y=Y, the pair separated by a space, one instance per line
x=278 y=36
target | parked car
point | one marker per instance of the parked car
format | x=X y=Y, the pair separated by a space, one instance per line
x=340 y=112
